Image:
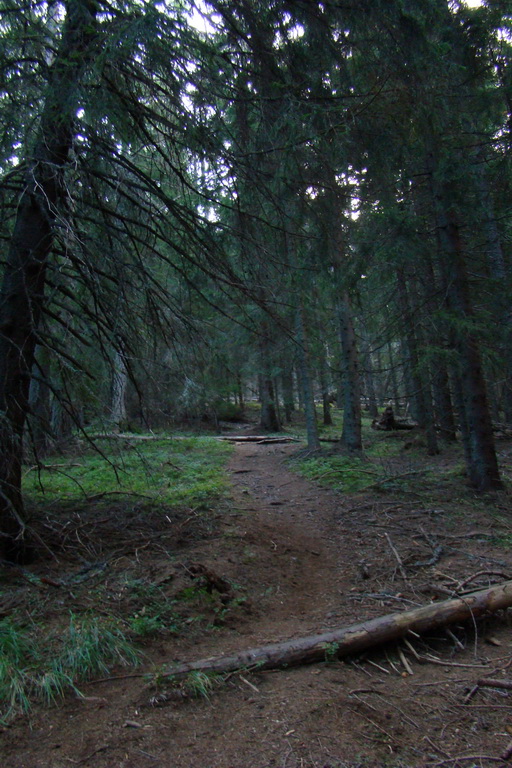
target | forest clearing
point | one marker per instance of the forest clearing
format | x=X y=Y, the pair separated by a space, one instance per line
x=261 y=556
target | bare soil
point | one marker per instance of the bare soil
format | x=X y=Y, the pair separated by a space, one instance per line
x=299 y=559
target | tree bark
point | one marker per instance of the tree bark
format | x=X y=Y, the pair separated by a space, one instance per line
x=421 y=394
x=357 y=637
x=287 y=390
x=482 y=467
x=118 y=389
x=23 y=287
x=306 y=381
x=351 y=436
x=324 y=386
x=269 y=418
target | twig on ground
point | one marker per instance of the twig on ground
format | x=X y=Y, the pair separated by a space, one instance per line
x=507 y=753
x=476 y=575
x=412 y=649
x=249 y=684
x=433 y=660
x=454 y=638
x=463 y=758
x=436 y=748
x=404 y=661
x=398 y=558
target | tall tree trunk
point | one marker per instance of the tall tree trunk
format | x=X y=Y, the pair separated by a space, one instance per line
x=119 y=387
x=269 y=418
x=287 y=390
x=23 y=287
x=324 y=385
x=482 y=464
x=40 y=407
x=500 y=276
x=422 y=395
x=307 y=382
x=351 y=434
x=369 y=379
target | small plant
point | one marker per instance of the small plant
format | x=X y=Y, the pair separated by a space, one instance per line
x=144 y=626
x=200 y=684
x=92 y=646
x=331 y=651
x=195 y=684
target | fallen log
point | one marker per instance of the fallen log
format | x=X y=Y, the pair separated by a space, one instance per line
x=132 y=436
x=357 y=637
x=257 y=439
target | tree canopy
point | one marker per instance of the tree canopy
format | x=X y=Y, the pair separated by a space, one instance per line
x=205 y=201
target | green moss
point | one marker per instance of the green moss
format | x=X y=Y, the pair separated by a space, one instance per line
x=173 y=472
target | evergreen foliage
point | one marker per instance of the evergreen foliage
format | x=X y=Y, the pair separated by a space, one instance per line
x=181 y=181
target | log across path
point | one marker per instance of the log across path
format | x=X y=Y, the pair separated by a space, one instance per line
x=357 y=637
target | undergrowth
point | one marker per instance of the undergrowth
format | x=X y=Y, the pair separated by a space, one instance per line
x=383 y=466
x=39 y=664
x=38 y=667
x=171 y=472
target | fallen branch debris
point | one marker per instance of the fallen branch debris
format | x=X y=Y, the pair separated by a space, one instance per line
x=357 y=637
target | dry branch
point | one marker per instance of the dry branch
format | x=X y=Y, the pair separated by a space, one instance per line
x=357 y=637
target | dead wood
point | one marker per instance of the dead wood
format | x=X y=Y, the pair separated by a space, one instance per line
x=129 y=436
x=211 y=581
x=486 y=682
x=388 y=422
x=357 y=637
x=257 y=439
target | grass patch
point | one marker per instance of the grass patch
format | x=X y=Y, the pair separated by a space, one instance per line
x=33 y=668
x=339 y=472
x=179 y=472
x=155 y=613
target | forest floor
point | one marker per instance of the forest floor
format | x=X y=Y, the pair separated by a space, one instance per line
x=300 y=558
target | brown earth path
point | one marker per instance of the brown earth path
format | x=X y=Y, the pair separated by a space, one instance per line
x=308 y=559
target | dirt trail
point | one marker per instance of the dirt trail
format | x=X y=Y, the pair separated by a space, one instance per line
x=308 y=559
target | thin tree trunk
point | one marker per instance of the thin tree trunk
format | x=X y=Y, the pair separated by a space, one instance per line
x=422 y=397
x=269 y=419
x=119 y=387
x=393 y=379
x=307 y=382
x=351 y=435
x=369 y=380
x=287 y=390
x=23 y=288
x=324 y=386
